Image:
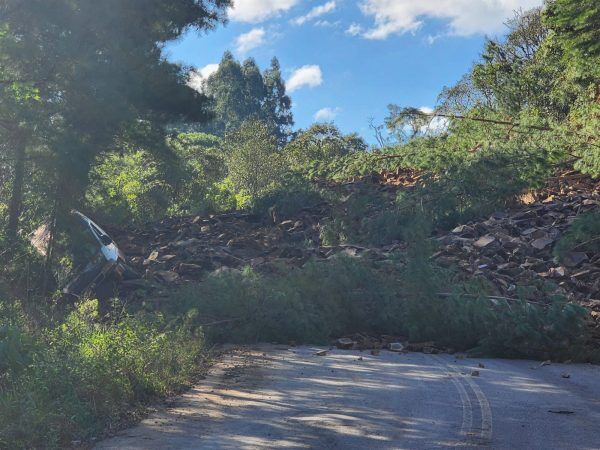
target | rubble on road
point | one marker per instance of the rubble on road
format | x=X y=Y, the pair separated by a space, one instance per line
x=178 y=250
x=513 y=250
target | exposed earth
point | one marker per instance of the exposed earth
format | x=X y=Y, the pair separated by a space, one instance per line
x=511 y=250
x=276 y=397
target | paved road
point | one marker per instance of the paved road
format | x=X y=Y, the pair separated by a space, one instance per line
x=280 y=398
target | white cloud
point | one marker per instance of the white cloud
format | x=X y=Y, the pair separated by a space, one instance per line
x=250 y=40
x=198 y=76
x=317 y=11
x=326 y=114
x=255 y=11
x=327 y=24
x=354 y=29
x=310 y=76
x=465 y=17
x=437 y=124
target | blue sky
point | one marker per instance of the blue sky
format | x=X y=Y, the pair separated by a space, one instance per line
x=346 y=60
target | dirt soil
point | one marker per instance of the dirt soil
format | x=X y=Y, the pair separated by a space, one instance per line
x=513 y=250
x=273 y=397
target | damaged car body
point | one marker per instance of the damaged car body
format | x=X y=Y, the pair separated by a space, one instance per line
x=100 y=266
x=104 y=264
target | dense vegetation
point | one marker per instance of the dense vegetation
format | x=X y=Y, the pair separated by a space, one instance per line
x=118 y=132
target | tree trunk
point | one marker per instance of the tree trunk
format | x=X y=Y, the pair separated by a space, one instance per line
x=16 y=199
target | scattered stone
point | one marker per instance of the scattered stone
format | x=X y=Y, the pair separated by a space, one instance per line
x=321 y=353
x=184 y=268
x=484 y=241
x=566 y=375
x=510 y=251
x=542 y=243
x=481 y=366
x=574 y=259
x=167 y=276
x=345 y=343
x=475 y=373
x=396 y=347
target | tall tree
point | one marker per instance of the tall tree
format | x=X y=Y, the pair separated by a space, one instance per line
x=241 y=93
x=227 y=87
x=97 y=75
x=277 y=106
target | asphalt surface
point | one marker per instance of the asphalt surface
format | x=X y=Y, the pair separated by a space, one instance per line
x=289 y=398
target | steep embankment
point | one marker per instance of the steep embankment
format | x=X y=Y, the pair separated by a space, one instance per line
x=513 y=249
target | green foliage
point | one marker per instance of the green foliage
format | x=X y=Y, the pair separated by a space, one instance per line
x=363 y=218
x=254 y=163
x=83 y=376
x=311 y=304
x=583 y=236
x=16 y=346
x=293 y=195
x=584 y=143
x=477 y=187
x=577 y=26
x=466 y=318
x=320 y=144
x=128 y=188
x=524 y=330
x=324 y=300
x=74 y=95
x=200 y=166
x=241 y=93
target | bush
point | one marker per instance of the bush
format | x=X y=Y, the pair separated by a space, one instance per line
x=583 y=236
x=329 y=299
x=466 y=317
x=84 y=377
x=309 y=304
x=475 y=188
x=320 y=143
x=294 y=195
x=128 y=188
x=254 y=163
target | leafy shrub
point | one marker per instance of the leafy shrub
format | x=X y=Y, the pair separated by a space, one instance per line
x=254 y=163
x=583 y=235
x=476 y=188
x=309 y=304
x=85 y=376
x=408 y=297
x=294 y=195
x=197 y=174
x=365 y=217
x=466 y=318
x=320 y=143
x=128 y=188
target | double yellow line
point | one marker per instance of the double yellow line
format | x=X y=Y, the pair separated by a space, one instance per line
x=470 y=392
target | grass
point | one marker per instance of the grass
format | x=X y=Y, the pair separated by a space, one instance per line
x=75 y=381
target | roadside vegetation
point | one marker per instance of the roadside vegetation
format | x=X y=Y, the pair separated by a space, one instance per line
x=71 y=371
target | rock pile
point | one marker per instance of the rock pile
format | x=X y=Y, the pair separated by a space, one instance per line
x=176 y=250
x=183 y=249
x=514 y=249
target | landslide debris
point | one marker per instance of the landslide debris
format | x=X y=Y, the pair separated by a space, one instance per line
x=183 y=249
x=512 y=249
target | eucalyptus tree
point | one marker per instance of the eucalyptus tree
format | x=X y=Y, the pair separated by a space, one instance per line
x=240 y=92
